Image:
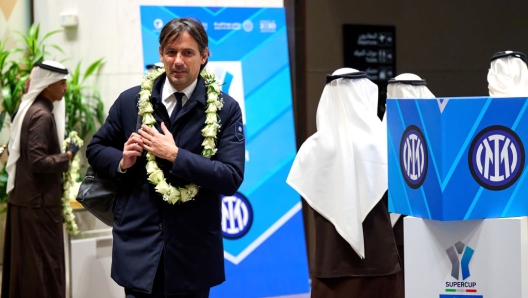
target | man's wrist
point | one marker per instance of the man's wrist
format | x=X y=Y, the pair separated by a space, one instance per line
x=173 y=155
x=120 y=167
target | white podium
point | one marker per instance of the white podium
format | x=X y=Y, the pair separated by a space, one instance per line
x=89 y=259
x=466 y=259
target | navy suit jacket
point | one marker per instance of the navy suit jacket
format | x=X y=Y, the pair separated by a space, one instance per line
x=189 y=234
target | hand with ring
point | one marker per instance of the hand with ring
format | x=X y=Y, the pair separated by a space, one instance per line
x=161 y=145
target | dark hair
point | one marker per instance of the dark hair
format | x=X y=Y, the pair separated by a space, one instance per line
x=173 y=29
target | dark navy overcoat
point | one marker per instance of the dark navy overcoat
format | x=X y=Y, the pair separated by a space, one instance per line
x=189 y=234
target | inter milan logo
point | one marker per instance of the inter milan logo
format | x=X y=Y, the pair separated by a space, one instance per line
x=237 y=216
x=496 y=157
x=458 y=264
x=413 y=156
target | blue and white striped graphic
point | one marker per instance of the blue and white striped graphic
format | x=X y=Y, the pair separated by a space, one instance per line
x=249 y=53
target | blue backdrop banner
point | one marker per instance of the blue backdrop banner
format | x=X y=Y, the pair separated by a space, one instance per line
x=264 y=244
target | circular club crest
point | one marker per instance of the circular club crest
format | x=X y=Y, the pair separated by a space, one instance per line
x=237 y=216
x=413 y=156
x=496 y=157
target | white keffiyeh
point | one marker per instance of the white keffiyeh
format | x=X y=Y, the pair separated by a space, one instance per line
x=508 y=75
x=341 y=170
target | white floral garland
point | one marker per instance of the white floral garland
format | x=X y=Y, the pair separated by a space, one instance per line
x=71 y=186
x=170 y=193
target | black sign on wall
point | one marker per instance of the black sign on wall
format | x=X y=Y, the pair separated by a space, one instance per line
x=372 y=49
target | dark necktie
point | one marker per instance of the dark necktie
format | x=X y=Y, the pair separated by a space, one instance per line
x=177 y=109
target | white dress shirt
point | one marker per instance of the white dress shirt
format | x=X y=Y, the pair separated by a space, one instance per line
x=168 y=98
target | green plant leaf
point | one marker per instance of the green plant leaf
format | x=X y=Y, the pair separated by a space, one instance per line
x=48 y=35
x=92 y=68
x=2 y=119
x=56 y=47
x=77 y=74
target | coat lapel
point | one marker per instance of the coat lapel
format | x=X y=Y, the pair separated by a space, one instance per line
x=160 y=112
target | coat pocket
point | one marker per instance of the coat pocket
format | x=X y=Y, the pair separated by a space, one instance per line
x=120 y=204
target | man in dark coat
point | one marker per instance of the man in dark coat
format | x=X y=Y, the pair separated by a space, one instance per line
x=162 y=249
x=34 y=246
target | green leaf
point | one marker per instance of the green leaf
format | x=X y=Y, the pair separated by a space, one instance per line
x=2 y=119
x=92 y=68
x=77 y=73
x=49 y=34
x=57 y=48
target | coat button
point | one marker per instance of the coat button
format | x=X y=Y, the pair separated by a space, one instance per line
x=161 y=226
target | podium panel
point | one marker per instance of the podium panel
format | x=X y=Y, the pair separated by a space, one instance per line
x=458 y=158
x=460 y=259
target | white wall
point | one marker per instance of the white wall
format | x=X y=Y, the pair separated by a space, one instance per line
x=111 y=29
x=14 y=16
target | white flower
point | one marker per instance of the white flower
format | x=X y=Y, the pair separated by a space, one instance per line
x=208 y=143
x=211 y=108
x=69 y=217
x=206 y=73
x=75 y=166
x=148 y=119
x=165 y=197
x=211 y=96
x=174 y=195
x=144 y=95
x=163 y=187
x=151 y=166
x=145 y=108
x=219 y=104
x=193 y=189
x=70 y=186
x=156 y=176
x=209 y=152
x=147 y=85
x=151 y=156
x=209 y=131
x=216 y=88
x=185 y=195
x=144 y=99
x=211 y=118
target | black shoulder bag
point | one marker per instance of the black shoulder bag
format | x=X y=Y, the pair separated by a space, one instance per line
x=97 y=195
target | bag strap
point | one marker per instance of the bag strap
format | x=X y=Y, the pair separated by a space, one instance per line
x=139 y=121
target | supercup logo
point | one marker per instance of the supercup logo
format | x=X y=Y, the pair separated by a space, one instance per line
x=413 y=156
x=237 y=216
x=458 y=264
x=496 y=157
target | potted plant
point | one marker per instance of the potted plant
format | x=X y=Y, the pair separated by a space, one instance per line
x=84 y=107
x=16 y=65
